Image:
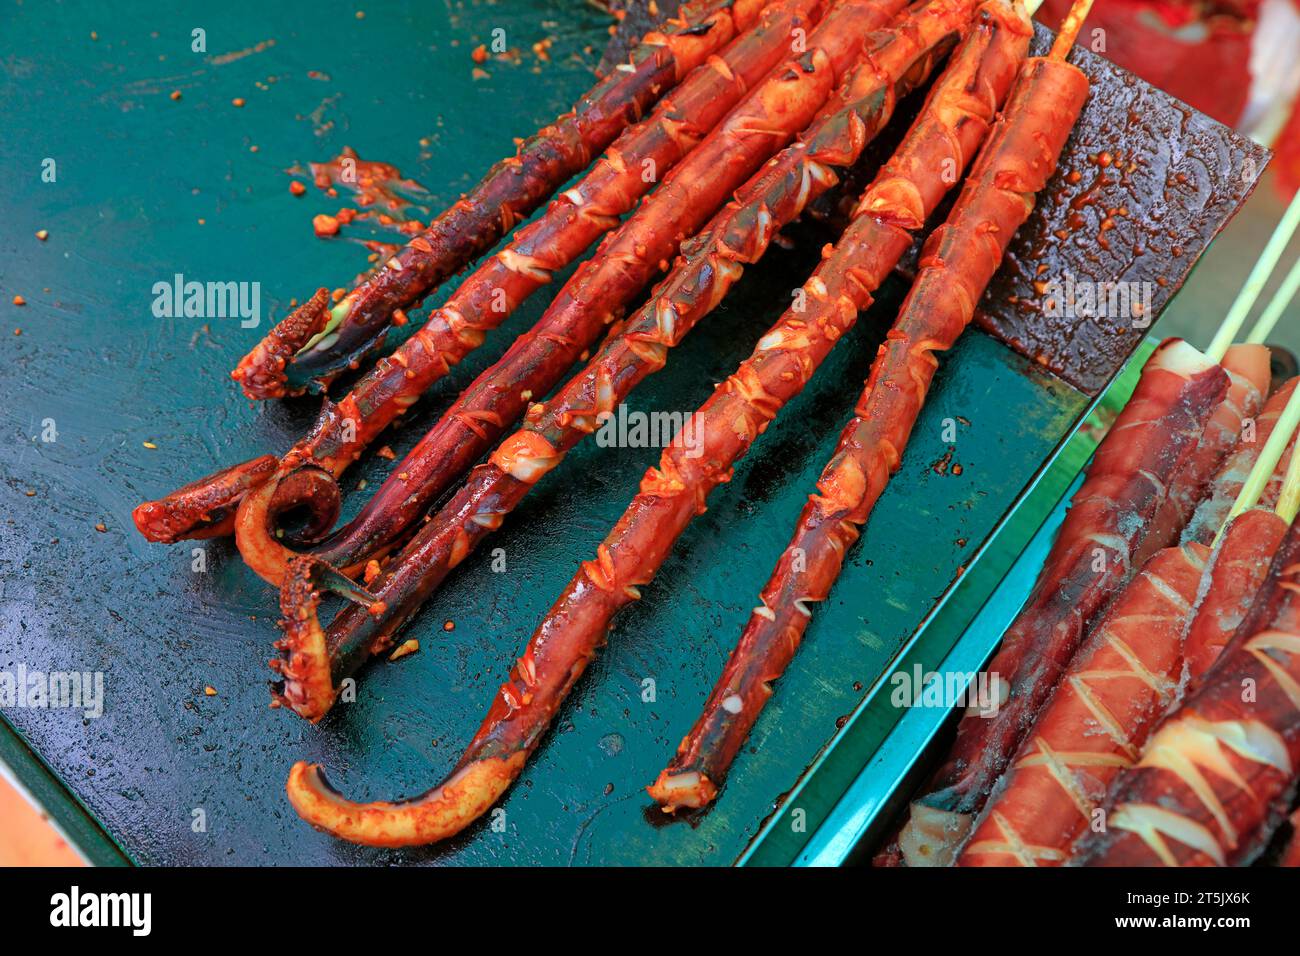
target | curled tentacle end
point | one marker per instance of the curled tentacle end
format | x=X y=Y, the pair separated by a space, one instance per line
x=441 y=813
x=307 y=682
x=261 y=371
x=307 y=687
x=309 y=489
x=682 y=790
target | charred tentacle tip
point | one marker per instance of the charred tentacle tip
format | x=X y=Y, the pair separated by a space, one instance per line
x=682 y=790
x=436 y=815
x=307 y=683
x=204 y=508
x=262 y=371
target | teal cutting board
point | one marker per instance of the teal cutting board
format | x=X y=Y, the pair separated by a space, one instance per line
x=147 y=186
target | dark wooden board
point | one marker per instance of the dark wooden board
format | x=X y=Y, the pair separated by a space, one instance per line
x=1161 y=177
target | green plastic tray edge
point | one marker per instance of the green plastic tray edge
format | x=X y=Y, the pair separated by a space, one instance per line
x=73 y=817
x=833 y=814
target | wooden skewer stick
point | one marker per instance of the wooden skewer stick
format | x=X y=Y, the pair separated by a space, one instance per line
x=1070 y=29
x=1273 y=311
x=1288 y=503
x=1255 y=282
x=1269 y=456
x=1031 y=6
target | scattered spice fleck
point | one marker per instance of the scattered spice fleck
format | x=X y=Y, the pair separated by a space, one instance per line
x=325 y=225
x=176 y=94
x=297 y=188
x=480 y=54
x=30 y=492
x=42 y=234
x=101 y=528
x=386 y=452
x=361 y=14
x=150 y=445
x=406 y=648
x=449 y=625
x=209 y=691
x=19 y=300
x=237 y=101
x=372 y=570
x=480 y=74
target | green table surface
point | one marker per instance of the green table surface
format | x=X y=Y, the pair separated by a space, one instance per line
x=148 y=187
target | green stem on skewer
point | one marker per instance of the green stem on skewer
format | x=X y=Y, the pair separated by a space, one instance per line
x=1069 y=29
x=1255 y=282
x=1269 y=456
x=1288 y=503
x=1273 y=311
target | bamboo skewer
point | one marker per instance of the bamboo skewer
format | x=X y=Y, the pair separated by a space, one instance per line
x=959 y=259
x=1255 y=282
x=1269 y=456
x=1273 y=311
x=1043 y=794
x=568 y=638
x=958 y=787
x=1069 y=29
x=1244 y=546
x=1288 y=503
x=1215 y=778
x=1247 y=366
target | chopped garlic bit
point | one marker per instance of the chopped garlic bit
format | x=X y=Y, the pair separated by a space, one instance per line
x=408 y=647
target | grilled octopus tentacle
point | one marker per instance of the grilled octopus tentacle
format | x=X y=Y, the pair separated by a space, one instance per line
x=263 y=367
x=668 y=142
x=510 y=191
x=895 y=60
x=581 y=214
x=555 y=659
